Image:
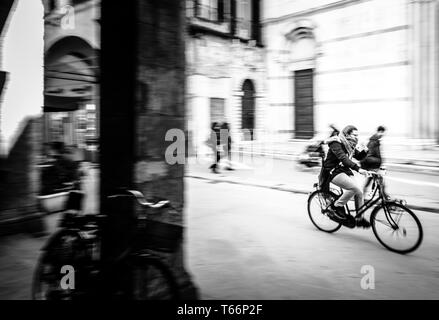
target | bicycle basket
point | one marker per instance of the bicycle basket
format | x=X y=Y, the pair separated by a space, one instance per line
x=158 y=236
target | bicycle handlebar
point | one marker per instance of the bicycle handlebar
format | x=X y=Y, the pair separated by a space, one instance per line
x=143 y=202
x=380 y=173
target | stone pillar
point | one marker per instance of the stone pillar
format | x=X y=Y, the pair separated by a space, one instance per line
x=142 y=97
x=424 y=58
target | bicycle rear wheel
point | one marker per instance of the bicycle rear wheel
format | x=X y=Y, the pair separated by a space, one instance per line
x=318 y=201
x=152 y=279
x=64 y=250
x=397 y=228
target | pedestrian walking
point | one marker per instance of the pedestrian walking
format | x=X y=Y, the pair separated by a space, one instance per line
x=373 y=159
x=214 y=143
x=226 y=141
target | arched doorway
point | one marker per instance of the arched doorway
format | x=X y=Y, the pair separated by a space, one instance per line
x=303 y=104
x=248 y=109
x=303 y=48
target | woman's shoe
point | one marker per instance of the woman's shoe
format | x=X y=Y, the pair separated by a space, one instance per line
x=363 y=223
x=339 y=212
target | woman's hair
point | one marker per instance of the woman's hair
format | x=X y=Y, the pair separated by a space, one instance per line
x=348 y=130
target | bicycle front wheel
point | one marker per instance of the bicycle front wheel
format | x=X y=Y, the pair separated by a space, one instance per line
x=152 y=280
x=397 y=228
x=46 y=282
x=318 y=201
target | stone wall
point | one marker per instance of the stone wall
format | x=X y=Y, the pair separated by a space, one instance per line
x=20 y=181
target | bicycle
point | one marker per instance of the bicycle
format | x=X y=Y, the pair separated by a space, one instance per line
x=145 y=276
x=388 y=217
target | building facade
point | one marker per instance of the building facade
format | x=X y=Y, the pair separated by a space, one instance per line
x=225 y=69
x=361 y=62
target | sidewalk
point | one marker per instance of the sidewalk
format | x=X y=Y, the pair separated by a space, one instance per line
x=401 y=155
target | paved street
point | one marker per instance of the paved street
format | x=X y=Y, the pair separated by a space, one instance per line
x=18 y=257
x=254 y=243
x=246 y=242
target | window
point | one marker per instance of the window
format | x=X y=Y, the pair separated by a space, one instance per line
x=52 y=5
x=207 y=9
x=248 y=109
x=217 y=109
x=76 y=2
x=213 y=10
x=247 y=19
x=244 y=19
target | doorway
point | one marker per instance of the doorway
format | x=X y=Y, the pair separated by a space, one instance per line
x=248 y=108
x=304 y=104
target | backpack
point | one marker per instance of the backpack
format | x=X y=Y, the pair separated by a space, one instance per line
x=325 y=179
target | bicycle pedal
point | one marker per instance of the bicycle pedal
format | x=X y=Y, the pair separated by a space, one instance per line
x=334 y=218
x=349 y=222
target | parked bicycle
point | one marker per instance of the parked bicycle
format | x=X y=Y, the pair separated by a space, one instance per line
x=78 y=244
x=395 y=226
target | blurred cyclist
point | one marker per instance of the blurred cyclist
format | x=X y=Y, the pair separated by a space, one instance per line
x=337 y=169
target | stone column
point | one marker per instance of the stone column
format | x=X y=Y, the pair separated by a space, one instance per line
x=160 y=107
x=142 y=97
x=424 y=59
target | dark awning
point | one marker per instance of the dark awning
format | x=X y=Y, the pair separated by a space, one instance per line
x=69 y=82
x=5 y=8
x=63 y=104
x=2 y=81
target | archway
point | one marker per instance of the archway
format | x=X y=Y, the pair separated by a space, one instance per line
x=70 y=74
x=71 y=94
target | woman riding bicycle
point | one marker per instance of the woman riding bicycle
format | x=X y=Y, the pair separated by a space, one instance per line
x=337 y=169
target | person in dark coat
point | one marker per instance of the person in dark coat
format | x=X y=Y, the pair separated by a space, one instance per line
x=338 y=167
x=373 y=159
x=226 y=141
x=214 y=143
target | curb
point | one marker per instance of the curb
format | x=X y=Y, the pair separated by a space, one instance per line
x=292 y=190
x=32 y=223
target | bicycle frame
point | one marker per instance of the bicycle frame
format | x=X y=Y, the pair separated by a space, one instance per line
x=395 y=211
x=378 y=189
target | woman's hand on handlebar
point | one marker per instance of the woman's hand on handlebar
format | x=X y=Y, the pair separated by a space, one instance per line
x=365 y=172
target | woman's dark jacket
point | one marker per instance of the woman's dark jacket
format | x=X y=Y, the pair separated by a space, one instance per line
x=337 y=161
x=373 y=158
